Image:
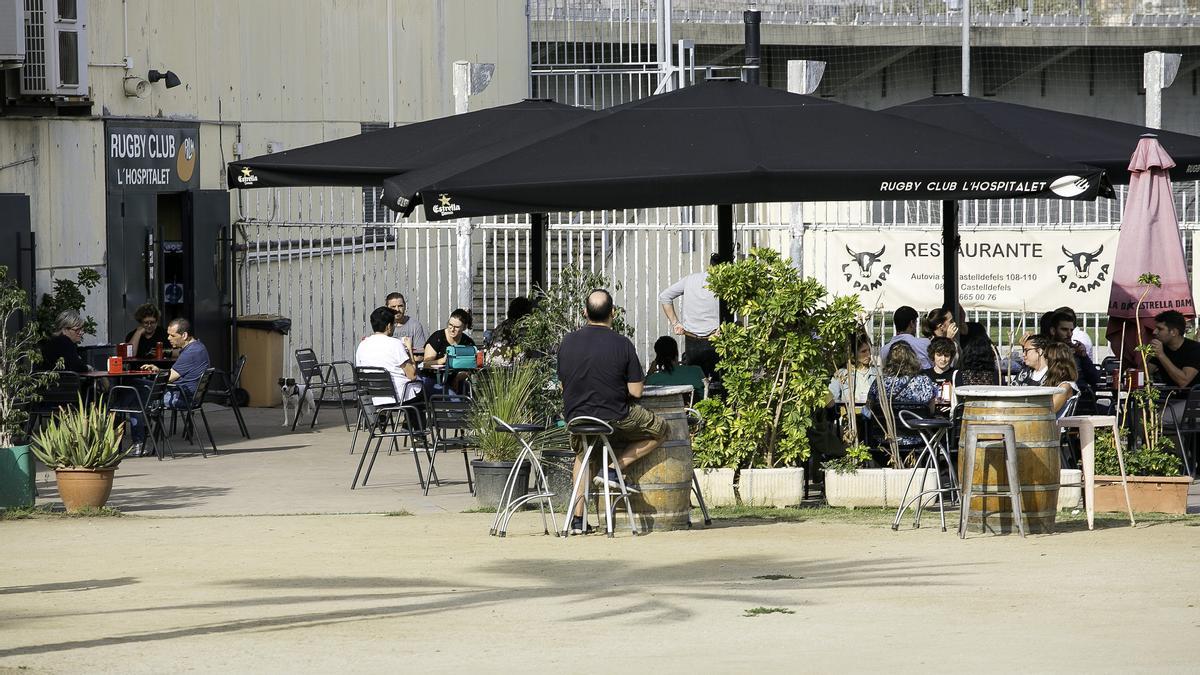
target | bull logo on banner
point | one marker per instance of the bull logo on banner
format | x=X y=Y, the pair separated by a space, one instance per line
x=1083 y=271
x=865 y=271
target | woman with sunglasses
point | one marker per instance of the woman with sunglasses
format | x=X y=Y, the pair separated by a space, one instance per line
x=454 y=334
x=150 y=332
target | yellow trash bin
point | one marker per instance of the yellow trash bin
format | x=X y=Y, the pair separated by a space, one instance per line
x=260 y=339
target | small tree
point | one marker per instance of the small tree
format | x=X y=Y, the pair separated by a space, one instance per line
x=19 y=384
x=775 y=367
x=68 y=295
x=559 y=310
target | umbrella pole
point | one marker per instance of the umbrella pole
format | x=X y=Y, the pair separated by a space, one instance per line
x=537 y=252
x=950 y=257
x=725 y=245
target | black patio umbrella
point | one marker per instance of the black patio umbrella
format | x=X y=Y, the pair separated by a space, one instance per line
x=1101 y=143
x=367 y=159
x=724 y=142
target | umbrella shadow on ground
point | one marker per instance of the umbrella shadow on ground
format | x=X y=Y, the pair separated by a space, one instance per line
x=635 y=591
x=81 y=585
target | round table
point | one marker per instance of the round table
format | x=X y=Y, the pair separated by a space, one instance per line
x=1029 y=411
x=664 y=477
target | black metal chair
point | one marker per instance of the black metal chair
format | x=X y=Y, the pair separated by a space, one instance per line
x=62 y=392
x=127 y=400
x=193 y=404
x=223 y=391
x=319 y=378
x=378 y=383
x=1185 y=422
x=387 y=421
x=451 y=421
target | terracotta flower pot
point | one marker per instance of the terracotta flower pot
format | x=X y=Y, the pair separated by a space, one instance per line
x=83 y=488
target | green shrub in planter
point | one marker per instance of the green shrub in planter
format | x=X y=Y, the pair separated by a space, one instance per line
x=85 y=436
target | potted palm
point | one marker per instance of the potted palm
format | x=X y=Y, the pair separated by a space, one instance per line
x=83 y=446
x=507 y=392
x=19 y=386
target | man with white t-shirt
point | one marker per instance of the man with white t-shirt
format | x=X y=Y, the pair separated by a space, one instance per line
x=379 y=350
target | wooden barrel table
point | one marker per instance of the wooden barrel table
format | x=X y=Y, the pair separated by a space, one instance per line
x=1029 y=411
x=664 y=477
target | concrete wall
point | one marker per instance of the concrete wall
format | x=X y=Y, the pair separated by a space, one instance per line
x=293 y=72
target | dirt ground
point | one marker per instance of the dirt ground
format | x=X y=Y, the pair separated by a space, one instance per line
x=364 y=593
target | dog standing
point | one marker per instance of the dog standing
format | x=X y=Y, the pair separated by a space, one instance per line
x=295 y=397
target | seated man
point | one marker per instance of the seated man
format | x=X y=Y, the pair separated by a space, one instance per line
x=600 y=374
x=380 y=350
x=185 y=375
x=1176 y=359
x=1062 y=328
x=905 y=323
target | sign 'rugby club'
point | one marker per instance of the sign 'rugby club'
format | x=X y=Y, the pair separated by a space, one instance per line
x=1001 y=270
x=152 y=158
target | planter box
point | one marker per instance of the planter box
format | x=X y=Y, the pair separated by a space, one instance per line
x=1070 y=498
x=865 y=487
x=872 y=487
x=772 y=487
x=1148 y=494
x=717 y=487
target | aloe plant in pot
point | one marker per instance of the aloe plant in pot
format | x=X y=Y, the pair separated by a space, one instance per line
x=507 y=392
x=83 y=446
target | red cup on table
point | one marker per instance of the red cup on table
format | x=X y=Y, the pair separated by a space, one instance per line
x=115 y=364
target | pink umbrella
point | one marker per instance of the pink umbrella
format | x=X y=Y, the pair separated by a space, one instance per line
x=1149 y=243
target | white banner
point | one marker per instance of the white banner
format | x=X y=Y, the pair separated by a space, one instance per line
x=999 y=270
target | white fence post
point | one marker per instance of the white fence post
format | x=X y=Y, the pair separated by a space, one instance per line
x=465 y=268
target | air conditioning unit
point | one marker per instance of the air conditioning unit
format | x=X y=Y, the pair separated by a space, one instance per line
x=56 y=51
x=12 y=34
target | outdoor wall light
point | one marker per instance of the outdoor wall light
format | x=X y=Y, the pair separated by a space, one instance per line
x=135 y=87
x=171 y=78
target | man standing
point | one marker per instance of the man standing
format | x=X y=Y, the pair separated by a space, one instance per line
x=380 y=350
x=600 y=374
x=1176 y=358
x=407 y=327
x=905 y=322
x=185 y=375
x=698 y=319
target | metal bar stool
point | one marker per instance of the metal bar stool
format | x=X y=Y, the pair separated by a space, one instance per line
x=1086 y=424
x=541 y=489
x=594 y=432
x=935 y=432
x=974 y=431
x=695 y=423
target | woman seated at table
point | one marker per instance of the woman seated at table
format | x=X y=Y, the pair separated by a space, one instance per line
x=977 y=365
x=666 y=369
x=149 y=333
x=1061 y=374
x=1033 y=353
x=841 y=384
x=454 y=334
x=64 y=344
x=907 y=388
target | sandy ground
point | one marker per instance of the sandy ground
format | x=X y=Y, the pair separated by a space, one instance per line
x=363 y=593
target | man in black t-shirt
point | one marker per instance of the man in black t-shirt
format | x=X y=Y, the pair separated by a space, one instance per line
x=1176 y=359
x=600 y=372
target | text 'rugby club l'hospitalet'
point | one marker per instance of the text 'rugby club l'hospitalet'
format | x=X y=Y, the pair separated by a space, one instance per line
x=152 y=158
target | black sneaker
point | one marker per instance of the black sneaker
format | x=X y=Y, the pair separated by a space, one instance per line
x=580 y=527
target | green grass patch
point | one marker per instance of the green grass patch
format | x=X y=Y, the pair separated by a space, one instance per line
x=816 y=514
x=401 y=512
x=46 y=512
x=776 y=577
x=759 y=611
x=480 y=509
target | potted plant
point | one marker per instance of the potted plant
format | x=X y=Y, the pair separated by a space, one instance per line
x=83 y=446
x=507 y=392
x=1152 y=467
x=19 y=386
x=792 y=332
